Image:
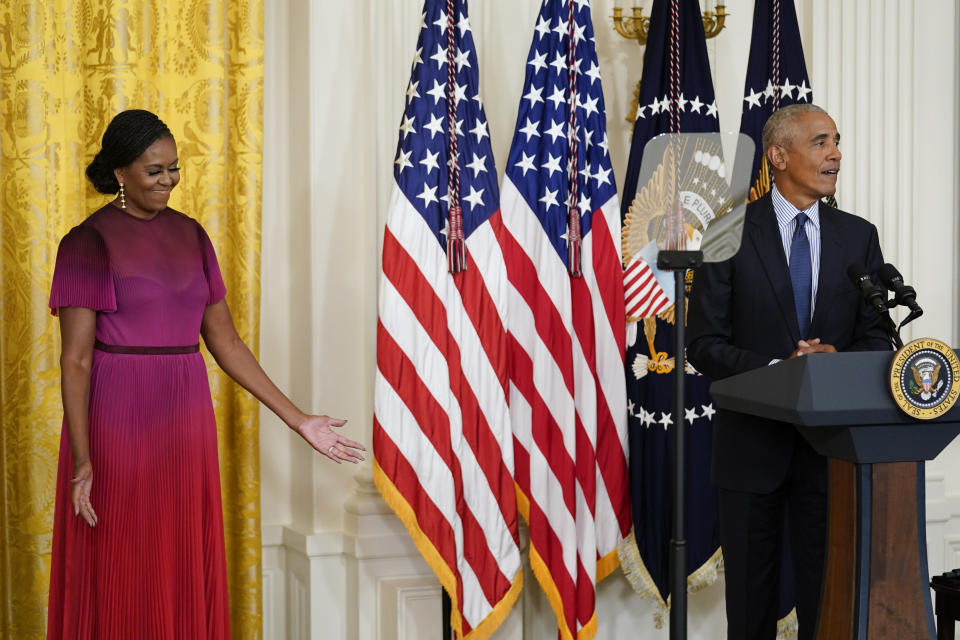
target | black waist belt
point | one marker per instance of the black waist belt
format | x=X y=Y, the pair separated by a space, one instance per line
x=150 y=351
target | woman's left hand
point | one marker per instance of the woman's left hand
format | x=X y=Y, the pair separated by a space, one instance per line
x=317 y=431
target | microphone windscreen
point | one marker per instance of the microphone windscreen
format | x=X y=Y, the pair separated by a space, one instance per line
x=888 y=274
x=857 y=272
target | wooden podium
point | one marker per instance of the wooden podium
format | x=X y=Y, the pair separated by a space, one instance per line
x=876 y=583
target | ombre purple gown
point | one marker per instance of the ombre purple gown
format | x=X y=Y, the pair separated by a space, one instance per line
x=154 y=566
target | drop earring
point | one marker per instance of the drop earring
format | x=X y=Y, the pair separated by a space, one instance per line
x=123 y=200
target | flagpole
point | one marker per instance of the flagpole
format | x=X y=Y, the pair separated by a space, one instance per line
x=679 y=262
x=446 y=607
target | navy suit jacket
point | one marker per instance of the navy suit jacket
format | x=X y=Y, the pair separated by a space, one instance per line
x=742 y=316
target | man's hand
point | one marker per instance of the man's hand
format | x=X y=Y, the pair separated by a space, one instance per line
x=812 y=346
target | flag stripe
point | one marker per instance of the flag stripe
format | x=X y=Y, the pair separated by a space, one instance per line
x=606 y=278
x=445 y=369
x=476 y=547
x=478 y=569
x=636 y=281
x=431 y=519
x=641 y=280
x=529 y=282
x=420 y=297
x=545 y=434
x=545 y=539
x=611 y=439
x=649 y=306
x=645 y=295
x=488 y=279
x=544 y=487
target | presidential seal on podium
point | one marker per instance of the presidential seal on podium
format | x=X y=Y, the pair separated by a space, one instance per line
x=925 y=378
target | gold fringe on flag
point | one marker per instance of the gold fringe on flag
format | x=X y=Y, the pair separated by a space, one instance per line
x=642 y=582
x=706 y=575
x=431 y=555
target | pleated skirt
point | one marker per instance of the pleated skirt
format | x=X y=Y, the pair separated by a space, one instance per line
x=154 y=565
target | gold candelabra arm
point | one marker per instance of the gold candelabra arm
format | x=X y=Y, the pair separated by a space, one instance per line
x=636 y=26
x=713 y=22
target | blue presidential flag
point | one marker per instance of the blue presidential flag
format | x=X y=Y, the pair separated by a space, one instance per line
x=776 y=77
x=676 y=95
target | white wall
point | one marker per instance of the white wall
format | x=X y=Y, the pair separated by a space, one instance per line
x=337 y=564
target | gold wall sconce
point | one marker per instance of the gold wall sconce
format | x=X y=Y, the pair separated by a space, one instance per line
x=636 y=25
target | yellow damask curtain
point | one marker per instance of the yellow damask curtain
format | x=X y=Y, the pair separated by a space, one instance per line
x=66 y=67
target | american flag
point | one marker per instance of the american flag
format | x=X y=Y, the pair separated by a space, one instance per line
x=566 y=321
x=443 y=455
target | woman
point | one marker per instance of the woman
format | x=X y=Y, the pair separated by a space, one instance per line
x=138 y=531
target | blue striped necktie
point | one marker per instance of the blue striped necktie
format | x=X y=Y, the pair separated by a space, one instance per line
x=801 y=274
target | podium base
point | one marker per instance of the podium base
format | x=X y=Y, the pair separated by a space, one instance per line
x=876 y=583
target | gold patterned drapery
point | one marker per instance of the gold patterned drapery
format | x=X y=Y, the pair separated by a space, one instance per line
x=66 y=67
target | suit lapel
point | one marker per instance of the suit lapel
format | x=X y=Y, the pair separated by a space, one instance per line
x=765 y=236
x=831 y=266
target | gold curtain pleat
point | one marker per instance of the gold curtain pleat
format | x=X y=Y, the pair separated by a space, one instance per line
x=66 y=68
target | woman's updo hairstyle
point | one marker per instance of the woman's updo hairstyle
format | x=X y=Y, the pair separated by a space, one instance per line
x=128 y=135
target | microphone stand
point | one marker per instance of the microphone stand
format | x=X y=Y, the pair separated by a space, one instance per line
x=891 y=327
x=893 y=331
x=679 y=262
x=913 y=315
x=876 y=297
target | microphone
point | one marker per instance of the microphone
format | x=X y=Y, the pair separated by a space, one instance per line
x=903 y=295
x=873 y=294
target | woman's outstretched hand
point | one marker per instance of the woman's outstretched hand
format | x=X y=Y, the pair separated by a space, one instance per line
x=317 y=431
x=80 y=486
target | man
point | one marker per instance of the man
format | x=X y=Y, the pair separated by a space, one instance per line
x=785 y=294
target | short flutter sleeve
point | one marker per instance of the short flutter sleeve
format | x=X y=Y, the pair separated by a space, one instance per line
x=211 y=268
x=82 y=276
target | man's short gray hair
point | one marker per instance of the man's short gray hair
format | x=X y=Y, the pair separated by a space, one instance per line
x=779 y=128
